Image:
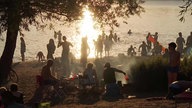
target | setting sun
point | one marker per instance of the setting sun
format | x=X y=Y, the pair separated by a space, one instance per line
x=87 y=28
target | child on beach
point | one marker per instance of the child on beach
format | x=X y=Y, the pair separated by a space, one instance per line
x=40 y=56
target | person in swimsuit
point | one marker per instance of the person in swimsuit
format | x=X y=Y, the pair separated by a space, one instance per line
x=174 y=63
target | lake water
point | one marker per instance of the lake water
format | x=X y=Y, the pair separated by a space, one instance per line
x=160 y=16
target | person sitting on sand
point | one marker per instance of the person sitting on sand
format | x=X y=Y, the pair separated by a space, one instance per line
x=40 y=56
x=112 y=89
x=90 y=75
x=16 y=94
x=47 y=77
x=178 y=87
x=9 y=101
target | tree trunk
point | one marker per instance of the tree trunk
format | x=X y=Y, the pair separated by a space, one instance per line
x=12 y=32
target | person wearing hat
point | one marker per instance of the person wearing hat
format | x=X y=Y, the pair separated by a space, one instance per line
x=112 y=88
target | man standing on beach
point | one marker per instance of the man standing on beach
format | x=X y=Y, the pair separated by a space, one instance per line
x=174 y=63
x=65 y=55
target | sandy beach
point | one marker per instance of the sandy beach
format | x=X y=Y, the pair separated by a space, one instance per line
x=27 y=72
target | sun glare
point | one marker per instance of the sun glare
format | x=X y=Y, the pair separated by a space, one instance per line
x=87 y=28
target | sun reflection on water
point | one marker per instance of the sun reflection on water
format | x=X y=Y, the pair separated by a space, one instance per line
x=87 y=27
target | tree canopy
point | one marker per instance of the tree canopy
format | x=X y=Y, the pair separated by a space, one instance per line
x=30 y=11
x=185 y=8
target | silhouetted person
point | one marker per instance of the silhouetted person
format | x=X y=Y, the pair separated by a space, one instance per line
x=174 y=63
x=9 y=101
x=129 y=32
x=111 y=36
x=23 y=48
x=112 y=89
x=18 y=96
x=148 y=41
x=65 y=55
x=85 y=50
x=107 y=45
x=99 y=46
x=47 y=77
x=157 y=49
x=55 y=35
x=166 y=53
x=40 y=56
x=59 y=36
x=115 y=37
x=156 y=36
x=96 y=47
x=131 y=51
x=189 y=41
x=180 y=42
x=51 y=49
x=90 y=75
x=143 y=48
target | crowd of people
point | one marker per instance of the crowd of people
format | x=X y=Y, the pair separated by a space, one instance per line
x=152 y=47
x=104 y=42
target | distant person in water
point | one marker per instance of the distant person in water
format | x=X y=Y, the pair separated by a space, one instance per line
x=174 y=63
x=180 y=43
x=129 y=32
x=112 y=88
x=40 y=56
x=157 y=49
x=65 y=55
x=115 y=38
x=107 y=46
x=51 y=49
x=111 y=36
x=59 y=36
x=99 y=46
x=156 y=36
x=23 y=48
x=143 y=48
x=131 y=51
x=149 y=41
x=85 y=50
x=189 y=41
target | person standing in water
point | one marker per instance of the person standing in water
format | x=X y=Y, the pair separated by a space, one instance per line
x=180 y=43
x=23 y=48
x=85 y=50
